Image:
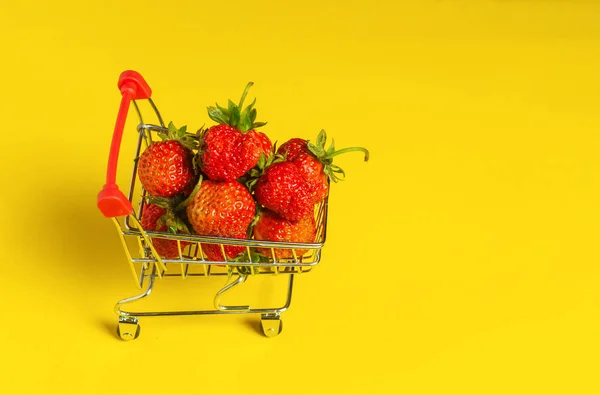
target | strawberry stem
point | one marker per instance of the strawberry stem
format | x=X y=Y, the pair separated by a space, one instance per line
x=350 y=149
x=326 y=156
x=181 y=206
x=244 y=94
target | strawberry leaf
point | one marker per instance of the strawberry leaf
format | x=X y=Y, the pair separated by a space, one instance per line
x=245 y=121
x=251 y=183
x=180 y=225
x=321 y=139
x=163 y=136
x=318 y=151
x=230 y=106
x=189 y=141
x=262 y=161
x=182 y=206
x=331 y=149
x=245 y=124
x=216 y=115
x=250 y=107
x=247 y=270
x=258 y=124
x=332 y=172
x=337 y=169
x=250 y=229
x=223 y=110
x=234 y=114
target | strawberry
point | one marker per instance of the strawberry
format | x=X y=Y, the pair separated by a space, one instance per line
x=166 y=168
x=225 y=154
x=213 y=251
x=223 y=209
x=232 y=147
x=265 y=143
x=292 y=147
x=160 y=219
x=316 y=163
x=272 y=227
x=283 y=189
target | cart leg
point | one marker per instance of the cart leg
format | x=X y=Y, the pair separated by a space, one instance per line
x=271 y=324
x=129 y=328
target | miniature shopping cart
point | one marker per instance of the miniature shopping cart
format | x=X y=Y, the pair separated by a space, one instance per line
x=147 y=266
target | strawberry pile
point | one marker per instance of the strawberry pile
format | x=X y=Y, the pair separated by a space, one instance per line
x=229 y=180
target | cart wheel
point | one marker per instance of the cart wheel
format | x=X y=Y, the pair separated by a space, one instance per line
x=128 y=328
x=271 y=324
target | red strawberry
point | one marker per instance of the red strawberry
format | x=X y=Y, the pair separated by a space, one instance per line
x=159 y=219
x=265 y=143
x=283 y=189
x=296 y=151
x=292 y=147
x=223 y=209
x=165 y=168
x=316 y=163
x=213 y=252
x=272 y=227
x=225 y=153
x=231 y=148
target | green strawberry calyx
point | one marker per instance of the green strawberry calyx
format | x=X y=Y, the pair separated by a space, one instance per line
x=251 y=178
x=325 y=156
x=253 y=223
x=170 y=219
x=243 y=119
x=182 y=204
x=254 y=257
x=187 y=140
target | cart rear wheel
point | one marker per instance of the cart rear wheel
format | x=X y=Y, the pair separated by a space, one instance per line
x=128 y=328
x=271 y=324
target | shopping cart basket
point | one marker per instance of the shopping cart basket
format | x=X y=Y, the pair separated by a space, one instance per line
x=147 y=266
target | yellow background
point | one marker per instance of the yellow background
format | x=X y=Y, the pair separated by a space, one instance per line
x=461 y=259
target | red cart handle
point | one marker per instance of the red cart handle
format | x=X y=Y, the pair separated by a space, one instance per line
x=111 y=201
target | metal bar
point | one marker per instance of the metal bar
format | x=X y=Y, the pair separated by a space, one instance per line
x=149 y=243
x=137 y=109
x=126 y=248
x=217 y=300
x=194 y=274
x=143 y=269
x=133 y=178
x=181 y=258
x=156 y=112
x=240 y=263
x=131 y=299
x=200 y=312
x=193 y=238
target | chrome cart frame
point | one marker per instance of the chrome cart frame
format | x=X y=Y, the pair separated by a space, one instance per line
x=147 y=266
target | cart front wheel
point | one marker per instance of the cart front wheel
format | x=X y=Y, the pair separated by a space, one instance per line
x=271 y=324
x=128 y=328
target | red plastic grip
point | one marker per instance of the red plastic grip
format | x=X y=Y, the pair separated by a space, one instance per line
x=111 y=201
